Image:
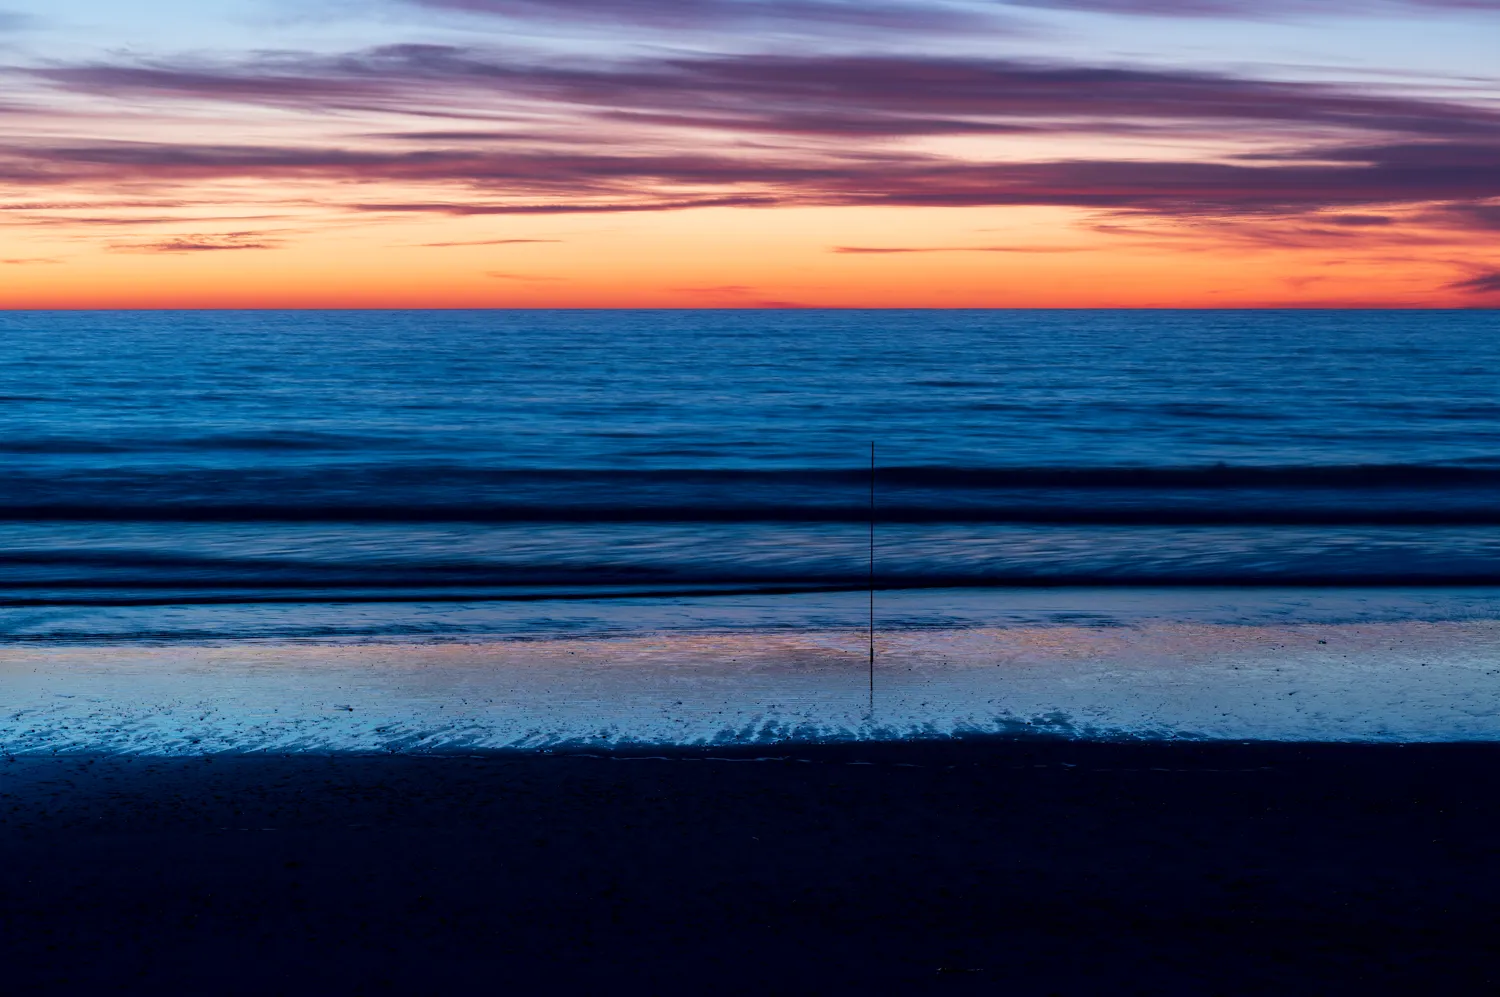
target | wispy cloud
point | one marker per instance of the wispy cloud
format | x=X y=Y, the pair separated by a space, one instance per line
x=679 y=133
x=1260 y=9
x=574 y=208
x=1480 y=217
x=31 y=261
x=1359 y=221
x=804 y=15
x=199 y=244
x=96 y=221
x=1465 y=176
x=792 y=95
x=89 y=205
x=485 y=242
x=881 y=250
x=1484 y=283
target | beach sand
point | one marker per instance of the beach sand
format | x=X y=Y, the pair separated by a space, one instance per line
x=981 y=865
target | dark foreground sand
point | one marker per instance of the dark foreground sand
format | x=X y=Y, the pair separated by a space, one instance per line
x=1004 y=867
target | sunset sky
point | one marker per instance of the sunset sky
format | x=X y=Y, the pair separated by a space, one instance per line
x=743 y=153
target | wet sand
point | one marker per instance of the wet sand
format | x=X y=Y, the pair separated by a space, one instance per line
x=1025 y=867
x=1271 y=674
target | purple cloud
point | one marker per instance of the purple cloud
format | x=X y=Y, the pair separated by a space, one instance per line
x=1256 y=9
x=1360 y=221
x=722 y=14
x=1350 y=157
x=1483 y=217
x=585 y=208
x=812 y=15
x=1379 y=176
x=1485 y=283
x=198 y=244
x=105 y=221
x=566 y=182
x=829 y=96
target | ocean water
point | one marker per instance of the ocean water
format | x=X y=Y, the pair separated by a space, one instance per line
x=182 y=486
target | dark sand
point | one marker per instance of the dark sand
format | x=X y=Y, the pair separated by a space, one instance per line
x=1004 y=867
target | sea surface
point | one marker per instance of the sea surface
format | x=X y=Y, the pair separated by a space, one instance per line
x=319 y=488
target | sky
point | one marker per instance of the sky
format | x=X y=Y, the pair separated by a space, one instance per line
x=749 y=153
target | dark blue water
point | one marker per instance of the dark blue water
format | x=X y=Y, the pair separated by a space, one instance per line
x=239 y=458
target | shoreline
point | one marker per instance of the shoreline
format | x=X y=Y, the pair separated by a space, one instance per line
x=1078 y=672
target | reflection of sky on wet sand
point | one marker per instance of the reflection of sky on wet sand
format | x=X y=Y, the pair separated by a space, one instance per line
x=1407 y=680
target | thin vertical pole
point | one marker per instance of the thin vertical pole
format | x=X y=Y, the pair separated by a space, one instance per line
x=872 y=576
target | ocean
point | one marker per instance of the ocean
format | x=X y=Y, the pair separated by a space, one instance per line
x=395 y=511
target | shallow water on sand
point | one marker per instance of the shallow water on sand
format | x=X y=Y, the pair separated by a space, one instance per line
x=1285 y=665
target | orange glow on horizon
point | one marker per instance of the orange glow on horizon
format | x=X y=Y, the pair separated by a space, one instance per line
x=722 y=258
